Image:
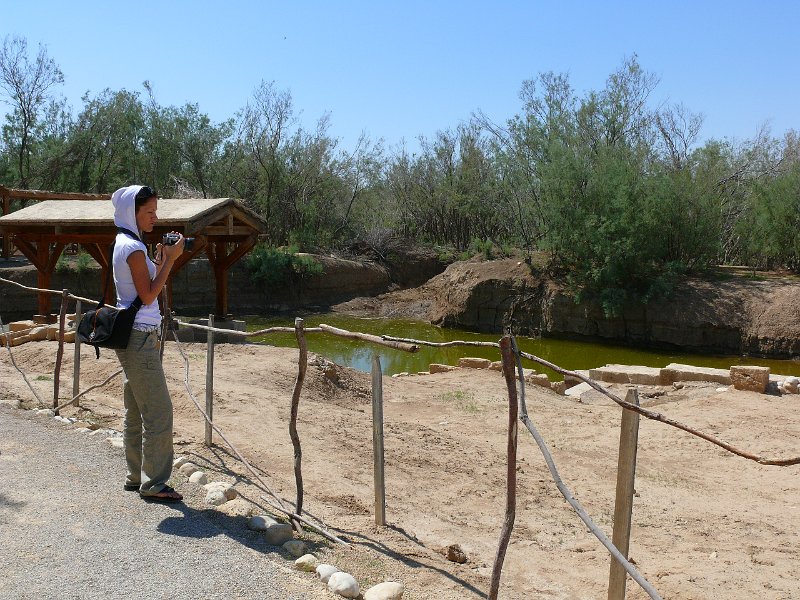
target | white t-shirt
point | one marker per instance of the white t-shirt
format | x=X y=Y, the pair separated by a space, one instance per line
x=148 y=314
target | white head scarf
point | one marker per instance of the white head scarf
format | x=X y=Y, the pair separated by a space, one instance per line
x=125 y=207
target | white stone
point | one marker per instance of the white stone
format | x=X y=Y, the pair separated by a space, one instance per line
x=180 y=461
x=259 y=522
x=48 y=412
x=295 y=548
x=307 y=562
x=722 y=389
x=116 y=442
x=388 y=590
x=278 y=534
x=199 y=478
x=343 y=584
x=325 y=571
x=220 y=486
x=188 y=469
x=576 y=390
x=216 y=498
x=83 y=430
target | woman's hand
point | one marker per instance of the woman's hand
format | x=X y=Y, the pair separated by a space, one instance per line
x=173 y=251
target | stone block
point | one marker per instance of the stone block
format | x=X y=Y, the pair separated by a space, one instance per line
x=474 y=363
x=39 y=334
x=437 y=368
x=538 y=379
x=20 y=325
x=677 y=372
x=496 y=365
x=635 y=374
x=559 y=387
x=750 y=378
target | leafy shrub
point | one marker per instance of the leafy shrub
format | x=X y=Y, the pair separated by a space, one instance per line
x=275 y=267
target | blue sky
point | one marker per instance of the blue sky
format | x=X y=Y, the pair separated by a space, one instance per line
x=399 y=70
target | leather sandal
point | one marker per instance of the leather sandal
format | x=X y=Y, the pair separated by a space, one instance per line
x=165 y=495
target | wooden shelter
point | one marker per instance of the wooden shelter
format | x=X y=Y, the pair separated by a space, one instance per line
x=223 y=228
x=9 y=194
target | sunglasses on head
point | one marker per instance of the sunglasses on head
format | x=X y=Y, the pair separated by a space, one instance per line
x=145 y=193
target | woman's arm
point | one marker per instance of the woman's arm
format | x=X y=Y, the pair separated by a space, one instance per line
x=148 y=289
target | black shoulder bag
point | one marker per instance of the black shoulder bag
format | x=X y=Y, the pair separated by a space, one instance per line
x=107 y=327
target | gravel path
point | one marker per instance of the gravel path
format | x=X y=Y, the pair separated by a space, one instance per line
x=68 y=530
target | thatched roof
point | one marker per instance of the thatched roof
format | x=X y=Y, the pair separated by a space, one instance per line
x=191 y=215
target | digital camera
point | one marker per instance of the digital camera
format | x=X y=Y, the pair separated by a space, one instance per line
x=170 y=239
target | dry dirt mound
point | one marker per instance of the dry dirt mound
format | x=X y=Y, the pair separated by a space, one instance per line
x=735 y=315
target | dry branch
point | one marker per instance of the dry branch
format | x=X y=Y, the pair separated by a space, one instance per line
x=62 y=317
x=89 y=389
x=13 y=362
x=567 y=494
x=656 y=416
x=440 y=344
x=302 y=364
x=367 y=337
x=277 y=507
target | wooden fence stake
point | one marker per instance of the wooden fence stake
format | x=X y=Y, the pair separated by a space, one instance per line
x=209 y=380
x=509 y=366
x=623 y=505
x=377 y=441
x=302 y=363
x=76 y=357
x=62 y=317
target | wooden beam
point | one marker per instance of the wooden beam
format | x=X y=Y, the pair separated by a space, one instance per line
x=6 y=236
x=30 y=251
x=224 y=230
x=98 y=253
x=15 y=194
x=241 y=249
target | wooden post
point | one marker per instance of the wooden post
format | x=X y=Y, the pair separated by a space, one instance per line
x=509 y=372
x=6 y=236
x=62 y=317
x=623 y=505
x=377 y=441
x=302 y=364
x=210 y=379
x=76 y=360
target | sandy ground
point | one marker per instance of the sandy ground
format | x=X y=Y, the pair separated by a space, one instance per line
x=706 y=524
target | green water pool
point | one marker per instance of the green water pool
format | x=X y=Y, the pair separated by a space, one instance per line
x=568 y=354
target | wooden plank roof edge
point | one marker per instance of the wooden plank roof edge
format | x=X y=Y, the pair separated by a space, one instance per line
x=17 y=194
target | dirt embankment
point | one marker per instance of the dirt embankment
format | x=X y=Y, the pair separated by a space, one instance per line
x=193 y=287
x=735 y=315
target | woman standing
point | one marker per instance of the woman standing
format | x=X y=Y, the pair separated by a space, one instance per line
x=148 y=407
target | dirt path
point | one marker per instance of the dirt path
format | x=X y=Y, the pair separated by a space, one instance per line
x=706 y=524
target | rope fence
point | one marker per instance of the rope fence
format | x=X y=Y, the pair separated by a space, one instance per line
x=511 y=357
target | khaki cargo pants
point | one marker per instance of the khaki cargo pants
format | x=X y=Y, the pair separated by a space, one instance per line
x=148 y=414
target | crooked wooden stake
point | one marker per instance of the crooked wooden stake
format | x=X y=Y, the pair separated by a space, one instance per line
x=302 y=363
x=76 y=360
x=377 y=441
x=509 y=362
x=62 y=316
x=209 y=380
x=623 y=505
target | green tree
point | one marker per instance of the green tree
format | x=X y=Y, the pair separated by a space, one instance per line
x=27 y=86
